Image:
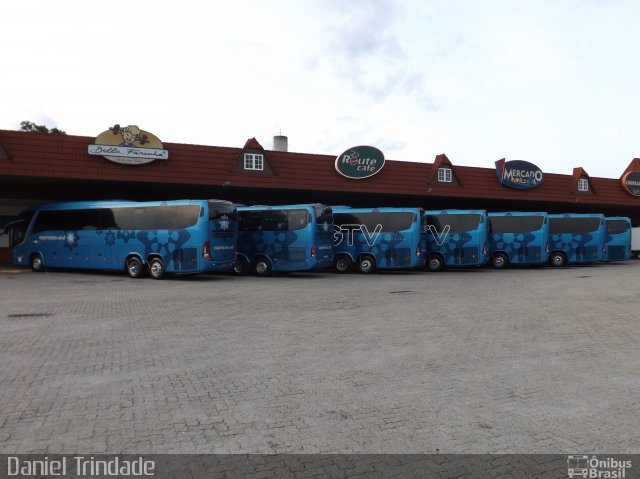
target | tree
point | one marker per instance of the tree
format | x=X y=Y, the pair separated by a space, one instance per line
x=33 y=128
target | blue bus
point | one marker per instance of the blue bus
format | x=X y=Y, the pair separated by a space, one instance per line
x=456 y=238
x=379 y=238
x=576 y=238
x=518 y=238
x=618 y=239
x=284 y=238
x=182 y=236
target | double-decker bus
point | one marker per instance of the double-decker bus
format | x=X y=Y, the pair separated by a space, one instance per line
x=182 y=236
x=284 y=238
x=456 y=238
x=576 y=238
x=379 y=238
x=518 y=238
x=618 y=239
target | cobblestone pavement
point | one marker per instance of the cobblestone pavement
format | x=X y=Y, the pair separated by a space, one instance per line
x=478 y=361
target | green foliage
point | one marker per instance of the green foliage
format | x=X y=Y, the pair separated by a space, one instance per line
x=33 y=128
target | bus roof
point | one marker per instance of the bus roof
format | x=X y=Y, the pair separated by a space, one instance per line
x=113 y=203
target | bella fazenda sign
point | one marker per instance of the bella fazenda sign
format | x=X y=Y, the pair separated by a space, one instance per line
x=520 y=175
x=360 y=162
x=128 y=145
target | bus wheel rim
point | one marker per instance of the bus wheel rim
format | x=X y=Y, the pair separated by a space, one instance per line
x=134 y=267
x=342 y=264
x=37 y=262
x=261 y=267
x=156 y=268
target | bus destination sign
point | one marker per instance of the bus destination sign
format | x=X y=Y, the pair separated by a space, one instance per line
x=520 y=175
x=360 y=162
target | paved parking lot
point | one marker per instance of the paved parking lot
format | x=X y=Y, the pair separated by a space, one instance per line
x=517 y=361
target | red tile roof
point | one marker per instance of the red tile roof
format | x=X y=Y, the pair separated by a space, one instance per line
x=36 y=155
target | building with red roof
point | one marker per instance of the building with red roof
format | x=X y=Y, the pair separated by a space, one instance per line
x=40 y=167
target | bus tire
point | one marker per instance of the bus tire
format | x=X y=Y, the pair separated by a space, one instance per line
x=366 y=264
x=134 y=267
x=435 y=262
x=499 y=261
x=36 y=263
x=241 y=268
x=557 y=259
x=262 y=267
x=343 y=264
x=156 y=268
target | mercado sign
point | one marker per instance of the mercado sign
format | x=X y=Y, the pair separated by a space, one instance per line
x=631 y=182
x=520 y=175
x=128 y=146
x=360 y=162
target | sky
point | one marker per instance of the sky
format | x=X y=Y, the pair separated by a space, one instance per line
x=555 y=83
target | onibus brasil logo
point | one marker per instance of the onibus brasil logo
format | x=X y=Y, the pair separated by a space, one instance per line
x=594 y=467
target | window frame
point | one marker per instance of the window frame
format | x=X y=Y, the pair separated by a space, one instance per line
x=254 y=162
x=445 y=175
x=583 y=185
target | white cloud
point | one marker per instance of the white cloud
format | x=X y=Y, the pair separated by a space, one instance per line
x=553 y=83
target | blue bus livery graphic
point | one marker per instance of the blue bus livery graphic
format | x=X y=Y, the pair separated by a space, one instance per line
x=618 y=238
x=378 y=238
x=182 y=236
x=518 y=238
x=576 y=238
x=284 y=238
x=456 y=238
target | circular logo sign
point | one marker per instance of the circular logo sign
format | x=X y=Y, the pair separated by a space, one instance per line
x=360 y=162
x=520 y=175
x=128 y=146
x=631 y=182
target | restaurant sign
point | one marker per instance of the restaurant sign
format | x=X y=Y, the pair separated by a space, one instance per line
x=631 y=182
x=360 y=162
x=128 y=145
x=520 y=175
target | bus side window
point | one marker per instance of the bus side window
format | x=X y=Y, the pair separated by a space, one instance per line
x=17 y=234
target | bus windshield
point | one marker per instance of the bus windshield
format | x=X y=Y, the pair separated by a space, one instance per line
x=573 y=225
x=515 y=224
x=617 y=226
x=458 y=223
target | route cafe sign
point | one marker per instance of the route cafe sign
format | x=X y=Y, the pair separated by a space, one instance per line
x=128 y=145
x=520 y=175
x=360 y=162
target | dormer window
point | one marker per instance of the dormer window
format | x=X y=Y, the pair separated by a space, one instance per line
x=583 y=184
x=444 y=175
x=253 y=161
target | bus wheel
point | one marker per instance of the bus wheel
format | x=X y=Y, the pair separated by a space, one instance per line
x=156 y=268
x=134 y=267
x=366 y=264
x=241 y=268
x=37 y=264
x=557 y=259
x=435 y=263
x=262 y=267
x=343 y=264
x=499 y=261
